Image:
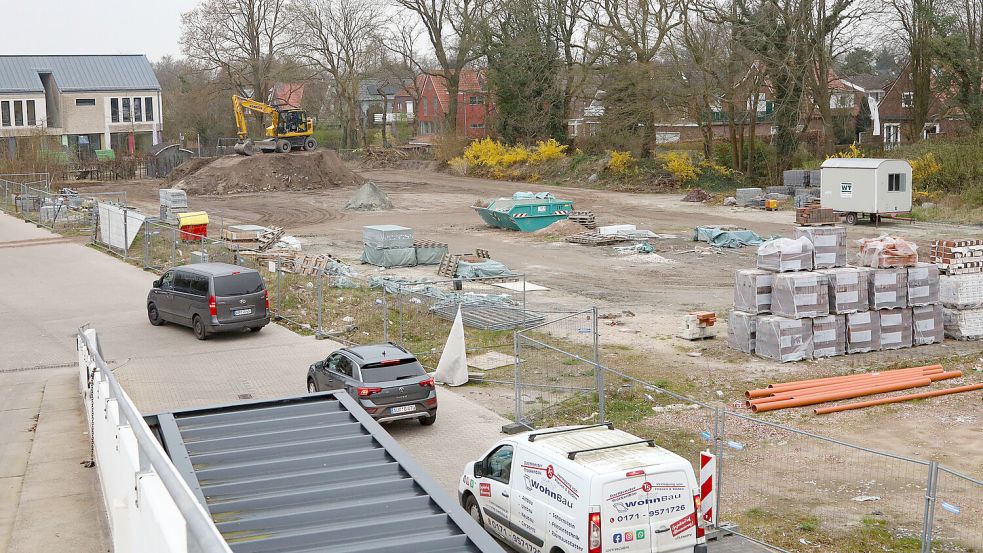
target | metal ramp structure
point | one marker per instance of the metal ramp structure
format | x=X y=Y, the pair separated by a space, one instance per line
x=312 y=473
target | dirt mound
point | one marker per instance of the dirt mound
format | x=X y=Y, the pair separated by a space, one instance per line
x=560 y=229
x=262 y=172
x=369 y=198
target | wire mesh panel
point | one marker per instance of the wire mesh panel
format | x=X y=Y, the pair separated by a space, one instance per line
x=957 y=523
x=800 y=491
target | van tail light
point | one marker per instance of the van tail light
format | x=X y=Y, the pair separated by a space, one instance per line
x=212 y=306
x=697 y=502
x=366 y=392
x=428 y=383
x=594 y=532
x=631 y=473
x=266 y=296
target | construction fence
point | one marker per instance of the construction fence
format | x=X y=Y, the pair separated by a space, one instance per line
x=780 y=486
x=29 y=197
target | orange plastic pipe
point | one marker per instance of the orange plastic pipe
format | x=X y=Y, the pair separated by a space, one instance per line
x=861 y=387
x=869 y=378
x=798 y=384
x=897 y=399
x=842 y=394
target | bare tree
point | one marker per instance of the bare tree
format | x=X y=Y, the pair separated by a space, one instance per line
x=336 y=37
x=239 y=38
x=959 y=50
x=572 y=31
x=916 y=18
x=454 y=29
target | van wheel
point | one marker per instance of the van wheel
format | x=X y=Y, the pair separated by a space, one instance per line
x=199 y=328
x=154 y=315
x=255 y=328
x=471 y=506
x=428 y=420
x=311 y=386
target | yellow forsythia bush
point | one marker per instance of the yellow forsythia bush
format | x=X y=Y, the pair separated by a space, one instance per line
x=492 y=154
x=924 y=167
x=681 y=166
x=621 y=163
x=548 y=151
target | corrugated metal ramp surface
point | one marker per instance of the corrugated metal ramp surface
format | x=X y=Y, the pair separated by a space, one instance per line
x=313 y=474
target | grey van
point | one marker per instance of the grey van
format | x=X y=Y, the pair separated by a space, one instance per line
x=210 y=297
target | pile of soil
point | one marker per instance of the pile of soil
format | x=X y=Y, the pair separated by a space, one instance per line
x=263 y=172
x=369 y=198
x=697 y=195
x=560 y=229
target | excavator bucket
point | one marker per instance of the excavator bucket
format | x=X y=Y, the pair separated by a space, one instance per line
x=245 y=148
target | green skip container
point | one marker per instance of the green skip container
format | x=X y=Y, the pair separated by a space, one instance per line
x=524 y=214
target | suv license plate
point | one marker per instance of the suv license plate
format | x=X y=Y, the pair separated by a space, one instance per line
x=240 y=312
x=403 y=409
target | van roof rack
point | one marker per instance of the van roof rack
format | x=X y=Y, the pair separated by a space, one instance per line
x=573 y=454
x=609 y=425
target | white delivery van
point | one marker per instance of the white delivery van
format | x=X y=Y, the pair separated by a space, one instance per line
x=587 y=489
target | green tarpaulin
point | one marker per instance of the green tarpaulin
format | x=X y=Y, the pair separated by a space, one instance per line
x=726 y=238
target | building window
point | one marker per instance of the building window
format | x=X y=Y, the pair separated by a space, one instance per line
x=5 y=115
x=477 y=126
x=114 y=109
x=18 y=113
x=892 y=134
x=476 y=100
x=931 y=129
x=895 y=182
x=148 y=106
x=907 y=99
x=424 y=108
x=126 y=110
x=138 y=110
x=32 y=118
x=85 y=101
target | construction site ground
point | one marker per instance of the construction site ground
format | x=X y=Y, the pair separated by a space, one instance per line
x=654 y=290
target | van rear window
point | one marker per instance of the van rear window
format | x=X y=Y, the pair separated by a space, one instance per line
x=238 y=285
x=377 y=372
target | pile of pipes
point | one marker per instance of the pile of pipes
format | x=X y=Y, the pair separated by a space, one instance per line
x=822 y=390
x=803 y=302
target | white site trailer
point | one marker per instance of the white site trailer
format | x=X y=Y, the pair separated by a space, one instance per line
x=862 y=187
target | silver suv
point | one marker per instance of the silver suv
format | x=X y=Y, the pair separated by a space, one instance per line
x=387 y=381
x=210 y=297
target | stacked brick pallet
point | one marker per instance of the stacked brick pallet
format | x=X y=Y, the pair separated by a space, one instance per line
x=961 y=286
x=804 y=302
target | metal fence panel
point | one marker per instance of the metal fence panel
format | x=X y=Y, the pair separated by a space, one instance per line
x=957 y=521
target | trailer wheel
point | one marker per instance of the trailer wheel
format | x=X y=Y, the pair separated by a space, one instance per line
x=851 y=218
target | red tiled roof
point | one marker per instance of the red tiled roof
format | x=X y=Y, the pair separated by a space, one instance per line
x=289 y=95
x=471 y=81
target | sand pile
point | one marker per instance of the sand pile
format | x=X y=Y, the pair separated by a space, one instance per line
x=369 y=198
x=560 y=229
x=262 y=172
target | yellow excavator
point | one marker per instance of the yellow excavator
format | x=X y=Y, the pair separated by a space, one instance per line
x=290 y=129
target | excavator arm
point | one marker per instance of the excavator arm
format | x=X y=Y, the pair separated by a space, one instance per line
x=240 y=105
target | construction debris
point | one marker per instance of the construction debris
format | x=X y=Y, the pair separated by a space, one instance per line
x=269 y=238
x=595 y=239
x=698 y=325
x=697 y=195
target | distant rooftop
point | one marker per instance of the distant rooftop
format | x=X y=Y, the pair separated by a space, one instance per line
x=82 y=73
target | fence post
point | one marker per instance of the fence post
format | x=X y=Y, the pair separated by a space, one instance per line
x=524 y=312
x=598 y=369
x=721 y=417
x=279 y=298
x=320 y=303
x=518 y=377
x=146 y=244
x=928 y=519
x=173 y=246
x=385 y=314
x=126 y=243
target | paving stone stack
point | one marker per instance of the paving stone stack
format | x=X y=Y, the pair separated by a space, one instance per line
x=829 y=245
x=828 y=336
x=746 y=196
x=960 y=286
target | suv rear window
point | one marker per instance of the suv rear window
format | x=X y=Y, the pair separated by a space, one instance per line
x=377 y=372
x=238 y=285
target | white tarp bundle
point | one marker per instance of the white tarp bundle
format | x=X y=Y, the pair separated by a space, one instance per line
x=113 y=221
x=452 y=369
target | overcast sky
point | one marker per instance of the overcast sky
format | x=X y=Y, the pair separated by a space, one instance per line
x=151 y=27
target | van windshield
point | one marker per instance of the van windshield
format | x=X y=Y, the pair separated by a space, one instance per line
x=238 y=285
x=408 y=368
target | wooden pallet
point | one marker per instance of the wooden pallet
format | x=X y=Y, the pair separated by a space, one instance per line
x=429 y=244
x=268 y=238
x=583 y=218
x=595 y=239
x=448 y=265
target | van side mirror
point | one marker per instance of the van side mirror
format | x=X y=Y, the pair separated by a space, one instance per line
x=157 y=283
x=479 y=469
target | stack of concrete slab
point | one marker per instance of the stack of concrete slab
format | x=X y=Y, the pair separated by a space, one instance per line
x=896 y=328
x=746 y=196
x=923 y=284
x=829 y=336
x=752 y=291
x=863 y=332
x=888 y=288
x=741 y=331
x=829 y=245
x=784 y=254
x=800 y=295
x=172 y=202
x=796 y=178
x=961 y=297
x=847 y=289
x=927 y=325
x=388 y=246
x=782 y=339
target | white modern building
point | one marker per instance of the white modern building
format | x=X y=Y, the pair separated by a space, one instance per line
x=89 y=102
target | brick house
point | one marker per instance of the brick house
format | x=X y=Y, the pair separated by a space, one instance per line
x=895 y=113
x=474 y=105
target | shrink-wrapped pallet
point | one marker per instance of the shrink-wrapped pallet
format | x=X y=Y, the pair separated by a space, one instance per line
x=829 y=245
x=887 y=251
x=923 y=284
x=888 y=288
x=896 y=328
x=847 y=289
x=863 y=332
x=800 y=295
x=785 y=254
x=783 y=339
x=962 y=324
x=927 y=326
x=741 y=328
x=829 y=336
x=961 y=291
x=752 y=290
